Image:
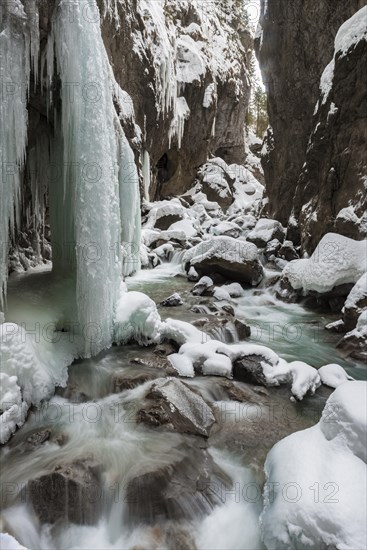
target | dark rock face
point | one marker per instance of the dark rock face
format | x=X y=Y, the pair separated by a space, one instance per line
x=174 y=164
x=249 y=369
x=70 y=492
x=296 y=45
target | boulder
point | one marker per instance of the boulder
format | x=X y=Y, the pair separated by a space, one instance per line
x=186 y=489
x=235 y=260
x=172 y=404
x=355 y=303
x=172 y=301
x=249 y=369
x=71 y=492
x=265 y=231
x=288 y=252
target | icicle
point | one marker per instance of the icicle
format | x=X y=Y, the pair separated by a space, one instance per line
x=14 y=80
x=146 y=173
x=130 y=208
x=177 y=129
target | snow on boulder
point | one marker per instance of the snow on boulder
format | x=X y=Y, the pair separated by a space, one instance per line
x=235 y=260
x=215 y=180
x=355 y=303
x=265 y=231
x=337 y=260
x=164 y=213
x=315 y=492
x=333 y=375
x=188 y=227
x=172 y=301
x=221 y=294
x=354 y=343
x=137 y=319
x=229 y=229
x=31 y=367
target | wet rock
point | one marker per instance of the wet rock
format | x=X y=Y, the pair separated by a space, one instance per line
x=123 y=382
x=238 y=391
x=155 y=362
x=172 y=301
x=165 y=349
x=249 y=369
x=243 y=330
x=38 y=438
x=336 y=326
x=71 y=492
x=172 y=404
x=184 y=490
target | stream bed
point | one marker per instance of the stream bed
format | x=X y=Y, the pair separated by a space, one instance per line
x=147 y=487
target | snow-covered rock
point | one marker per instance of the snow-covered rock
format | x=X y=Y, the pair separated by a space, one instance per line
x=235 y=260
x=265 y=231
x=137 y=319
x=354 y=343
x=31 y=366
x=333 y=375
x=355 y=303
x=172 y=301
x=315 y=493
x=337 y=260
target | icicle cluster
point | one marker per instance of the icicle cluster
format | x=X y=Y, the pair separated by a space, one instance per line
x=18 y=47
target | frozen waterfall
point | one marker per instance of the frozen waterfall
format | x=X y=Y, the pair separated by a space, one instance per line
x=93 y=182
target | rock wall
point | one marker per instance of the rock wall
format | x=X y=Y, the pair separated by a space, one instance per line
x=295 y=43
x=185 y=66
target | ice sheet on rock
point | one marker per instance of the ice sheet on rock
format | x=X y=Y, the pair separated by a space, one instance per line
x=336 y=260
x=333 y=375
x=315 y=493
x=14 y=409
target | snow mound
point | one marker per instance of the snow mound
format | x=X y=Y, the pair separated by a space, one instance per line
x=337 y=260
x=315 y=493
x=31 y=366
x=333 y=375
x=137 y=318
x=7 y=542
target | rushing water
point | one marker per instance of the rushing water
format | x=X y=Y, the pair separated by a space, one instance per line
x=88 y=419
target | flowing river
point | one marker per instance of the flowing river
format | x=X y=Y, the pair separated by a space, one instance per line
x=90 y=419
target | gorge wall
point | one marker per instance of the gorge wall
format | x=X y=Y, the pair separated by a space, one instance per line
x=314 y=154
